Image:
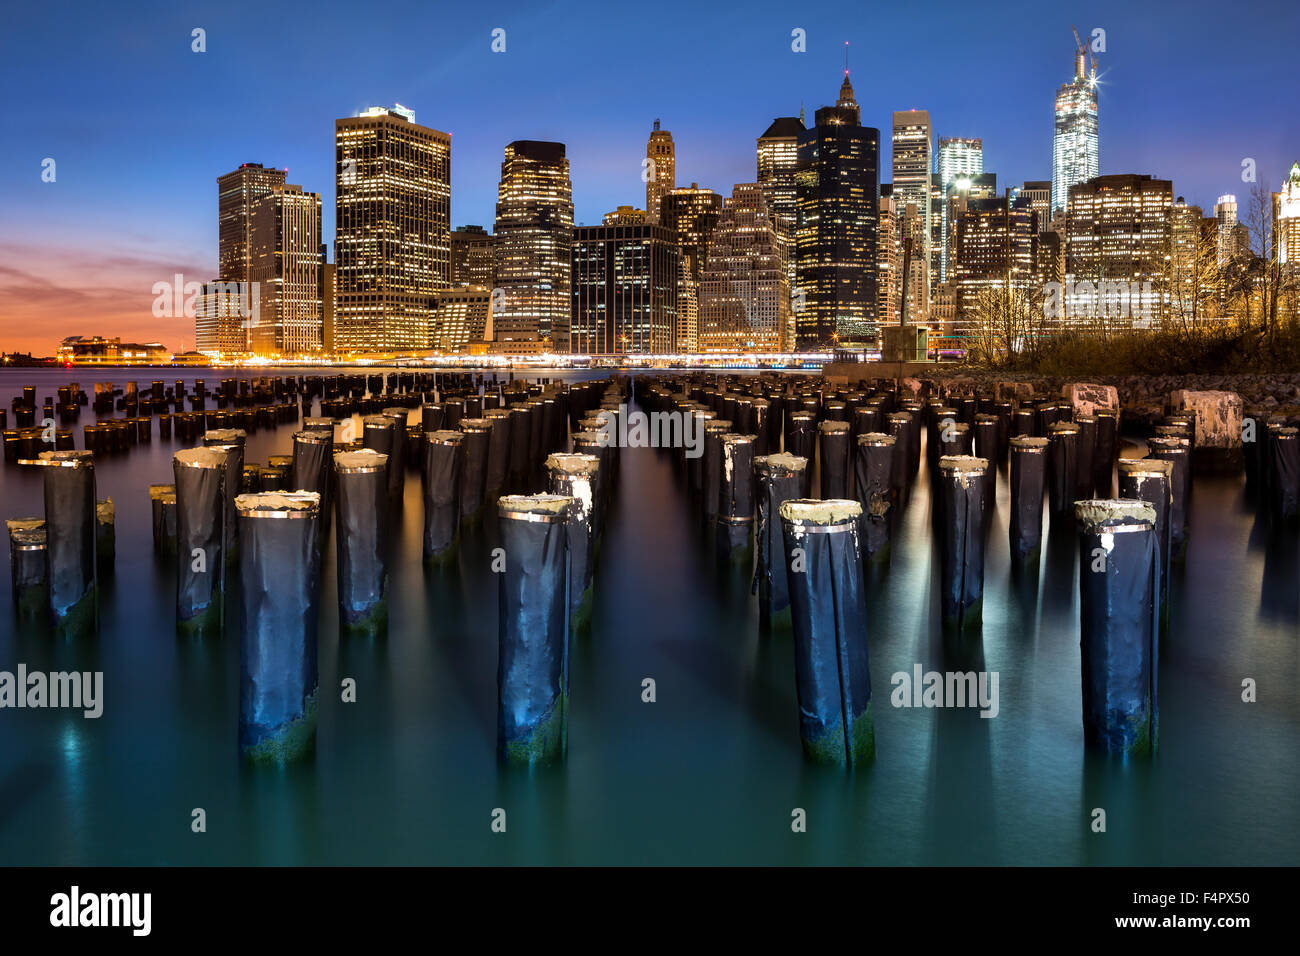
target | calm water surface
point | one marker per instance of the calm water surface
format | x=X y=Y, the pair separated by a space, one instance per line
x=710 y=772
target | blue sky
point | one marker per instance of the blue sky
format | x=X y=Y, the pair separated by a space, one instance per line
x=140 y=126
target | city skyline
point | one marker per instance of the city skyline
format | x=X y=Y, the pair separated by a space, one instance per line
x=82 y=252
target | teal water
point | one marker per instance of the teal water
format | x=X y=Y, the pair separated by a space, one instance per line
x=710 y=772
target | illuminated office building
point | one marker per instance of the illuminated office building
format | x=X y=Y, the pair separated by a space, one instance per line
x=835 y=237
x=533 y=234
x=660 y=170
x=888 y=260
x=392 y=229
x=461 y=315
x=912 y=166
x=238 y=193
x=1118 y=238
x=285 y=265
x=1074 y=144
x=745 y=293
x=778 y=161
x=959 y=157
x=691 y=214
x=472 y=259
x=625 y=280
x=993 y=250
x=1286 y=220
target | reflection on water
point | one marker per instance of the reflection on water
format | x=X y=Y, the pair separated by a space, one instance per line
x=711 y=771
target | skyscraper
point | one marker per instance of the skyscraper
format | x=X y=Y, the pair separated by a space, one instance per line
x=993 y=250
x=745 y=293
x=778 y=162
x=238 y=193
x=660 y=171
x=690 y=213
x=392 y=225
x=533 y=234
x=1286 y=220
x=912 y=162
x=1038 y=193
x=471 y=257
x=1118 y=239
x=888 y=259
x=285 y=262
x=959 y=157
x=625 y=278
x=1225 y=212
x=1074 y=146
x=835 y=238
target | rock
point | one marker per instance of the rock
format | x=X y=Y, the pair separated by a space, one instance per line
x=1013 y=391
x=1217 y=443
x=1088 y=399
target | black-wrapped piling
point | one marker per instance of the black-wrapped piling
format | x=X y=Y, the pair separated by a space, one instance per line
x=230 y=442
x=1028 y=475
x=873 y=486
x=778 y=479
x=833 y=437
x=162 y=506
x=1284 y=477
x=70 y=532
x=1118 y=630
x=27 y=568
x=442 y=465
x=1177 y=451
x=962 y=518
x=279 y=572
x=473 y=473
x=362 y=537
x=1150 y=480
x=105 y=538
x=829 y=618
x=736 y=500
x=533 y=634
x=1063 y=466
x=574 y=476
x=200 y=520
x=313 y=453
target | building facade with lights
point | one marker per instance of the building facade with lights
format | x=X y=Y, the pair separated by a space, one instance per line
x=625 y=281
x=285 y=269
x=745 y=292
x=392 y=229
x=532 y=246
x=838 y=180
x=1075 y=143
x=660 y=170
x=691 y=214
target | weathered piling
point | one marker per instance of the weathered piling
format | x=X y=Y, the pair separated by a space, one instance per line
x=1063 y=466
x=574 y=476
x=833 y=437
x=713 y=432
x=829 y=618
x=230 y=442
x=397 y=457
x=1028 y=476
x=1150 y=480
x=1118 y=630
x=362 y=537
x=70 y=531
x=497 y=470
x=27 y=567
x=1103 y=459
x=735 y=522
x=962 y=518
x=473 y=471
x=379 y=434
x=778 y=481
x=313 y=458
x=1284 y=480
x=162 y=506
x=1177 y=451
x=533 y=636
x=105 y=538
x=801 y=440
x=442 y=465
x=279 y=572
x=988 y=439
x=873 y=486
x=200 y=521
x=905 y=429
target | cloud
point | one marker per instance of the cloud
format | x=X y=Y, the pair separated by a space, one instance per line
x=48 y=293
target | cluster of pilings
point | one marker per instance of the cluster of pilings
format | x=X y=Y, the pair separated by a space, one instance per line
x=822 y=459
x=59 y=560
x=469 y=450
